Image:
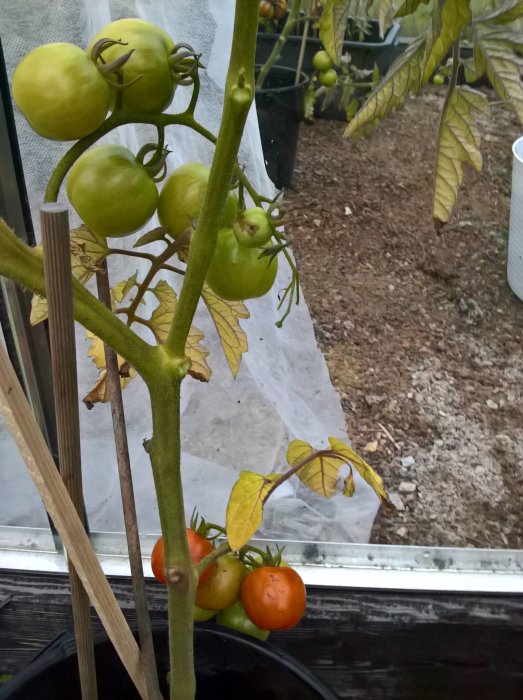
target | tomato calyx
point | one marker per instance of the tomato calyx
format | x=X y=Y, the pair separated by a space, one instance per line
x=156 y=166
x=255 y=558
x=113 y=66
x=184 y=62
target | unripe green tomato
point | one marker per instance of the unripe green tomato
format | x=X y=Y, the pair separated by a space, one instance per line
x=154 y=88
x=235 y=618
x=438 y=79
x=237 y=273
x=60 y=92
x=182 y=197
x=201 y=615
x=322 y=61
x=111 y=191
x=254 y=228
x=328 y=78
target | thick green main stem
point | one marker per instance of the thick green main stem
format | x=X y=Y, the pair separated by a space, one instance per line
x=171 y=363
x=239 y=94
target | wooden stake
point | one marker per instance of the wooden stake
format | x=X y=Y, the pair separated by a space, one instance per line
x=128 y=501
x=19 y=419
x=57 y=268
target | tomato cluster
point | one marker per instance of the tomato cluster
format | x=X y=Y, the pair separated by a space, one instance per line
x=254 y=598
x=133 y=66
x=323 y=63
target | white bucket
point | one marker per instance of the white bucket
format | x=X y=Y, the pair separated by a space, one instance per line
x=515 y=232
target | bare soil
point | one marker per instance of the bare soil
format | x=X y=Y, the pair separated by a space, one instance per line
x=421 y=333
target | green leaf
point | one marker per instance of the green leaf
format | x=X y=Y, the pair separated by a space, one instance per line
x=226 y=315
x=157 y=234
x=458 y=143
x=245 y=508
x=409 y=7
x=448 y=22
x=386 y=11
x=333 y=25
x=403 y=78
x=508 y=12
x=503 y=67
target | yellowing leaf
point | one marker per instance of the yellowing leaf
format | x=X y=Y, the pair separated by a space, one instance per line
x=333 y=25
x=122 y=289
x=88 y=249
x=508 y=12
x=458 y=143
x=160 y=324
x=349 y=487
x=245 y=507
x=321 y=473
x=409 y=6
x=503 y=66
x=226 y=315
x=100 y=393
x=386 y=11
x=38 y=309
x=448 y=21
x=404 y=77
x=365 y=471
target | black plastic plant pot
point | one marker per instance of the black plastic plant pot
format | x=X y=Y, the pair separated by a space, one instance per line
x=229 y=666
x=364 y=54
x=279 y=105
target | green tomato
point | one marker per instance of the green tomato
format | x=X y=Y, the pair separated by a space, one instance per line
x=182 y=197
x=254 y=228
x=237 y=273
x=236 y=619
x=222 y=588
x=201 y=615
x=148 y=65
x=438 y=79
x=322 y=61
x=111 y=191
x=60 y=92
x=328 y=78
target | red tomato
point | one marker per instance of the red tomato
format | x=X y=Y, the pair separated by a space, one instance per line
x=199 y=547
x=274 y=597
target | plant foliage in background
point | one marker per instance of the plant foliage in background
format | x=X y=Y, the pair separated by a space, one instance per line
x=497 y=49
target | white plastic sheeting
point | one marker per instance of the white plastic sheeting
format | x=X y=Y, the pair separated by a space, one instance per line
x=282 y=391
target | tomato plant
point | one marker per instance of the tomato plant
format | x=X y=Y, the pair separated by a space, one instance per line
x=111 y=191
x=253 y=228
x=147 y=75
x=322 y=61
x=237 y=272
x=274 y=597
x=60 y=92
x=236 y=619
x=199 y=547
x=222 y=588
x=182 y=197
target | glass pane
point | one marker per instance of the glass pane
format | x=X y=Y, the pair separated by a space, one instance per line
x=21 y=503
